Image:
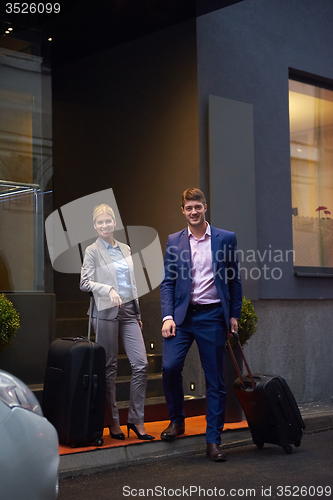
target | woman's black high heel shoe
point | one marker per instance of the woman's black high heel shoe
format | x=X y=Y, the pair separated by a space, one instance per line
x=120 y=436
x=144 y=437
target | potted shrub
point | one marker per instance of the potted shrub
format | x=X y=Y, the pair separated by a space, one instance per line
x=247 y=326
x=9 y=322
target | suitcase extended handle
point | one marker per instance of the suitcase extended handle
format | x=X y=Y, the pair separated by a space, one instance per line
x=91 y=304
x=236 y=337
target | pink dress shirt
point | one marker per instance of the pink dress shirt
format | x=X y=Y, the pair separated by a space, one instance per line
x=203 y=286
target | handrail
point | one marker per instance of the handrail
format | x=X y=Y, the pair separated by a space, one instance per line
x=19 y=184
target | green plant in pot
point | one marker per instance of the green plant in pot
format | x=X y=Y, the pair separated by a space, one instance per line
x=9 y=322
x=247 y=324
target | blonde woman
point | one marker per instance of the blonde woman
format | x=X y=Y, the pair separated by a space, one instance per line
x=108 y=272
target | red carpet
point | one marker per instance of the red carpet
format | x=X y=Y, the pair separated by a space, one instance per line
x=194 y=426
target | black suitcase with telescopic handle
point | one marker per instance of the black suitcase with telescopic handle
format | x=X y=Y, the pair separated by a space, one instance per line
x=269 y=406
x=74 y=389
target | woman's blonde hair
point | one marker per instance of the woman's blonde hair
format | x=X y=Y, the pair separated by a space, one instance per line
x=102 y=209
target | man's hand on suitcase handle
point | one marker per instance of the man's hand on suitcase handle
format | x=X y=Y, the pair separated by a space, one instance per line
x=233 y=325
x=232 y=332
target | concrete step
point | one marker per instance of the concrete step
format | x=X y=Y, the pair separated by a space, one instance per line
x=72 y=327
x=73 y=309
x=124 y=367
x=155 y=406
x=77 y=327
x=72 y=321
x=154 y=387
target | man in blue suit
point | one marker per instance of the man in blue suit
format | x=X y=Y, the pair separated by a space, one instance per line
x=201 y=298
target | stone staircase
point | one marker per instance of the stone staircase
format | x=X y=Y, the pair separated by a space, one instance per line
x=72 y=321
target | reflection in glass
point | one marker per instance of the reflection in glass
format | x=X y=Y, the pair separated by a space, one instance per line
x=25 y=160
x=21 y=251
x=311 y=150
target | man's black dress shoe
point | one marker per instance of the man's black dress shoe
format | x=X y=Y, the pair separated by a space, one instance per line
x=175 y=429
x=214 y=451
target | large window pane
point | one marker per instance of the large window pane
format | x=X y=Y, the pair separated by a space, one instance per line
x=25 y=160
x=21 y=252
x=311 y=147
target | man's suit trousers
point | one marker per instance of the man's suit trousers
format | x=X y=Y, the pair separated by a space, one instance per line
x=208 y=329
x=125 y=326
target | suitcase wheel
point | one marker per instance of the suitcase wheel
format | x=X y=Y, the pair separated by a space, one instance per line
x=298 y=443
x=257 y=442
x=288 y=449
x=99 y=442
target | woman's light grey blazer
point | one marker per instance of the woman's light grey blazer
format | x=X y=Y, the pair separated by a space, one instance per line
x=98 y=275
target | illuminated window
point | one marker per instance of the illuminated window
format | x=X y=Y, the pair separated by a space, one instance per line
x=25 y=162
x=311 y=150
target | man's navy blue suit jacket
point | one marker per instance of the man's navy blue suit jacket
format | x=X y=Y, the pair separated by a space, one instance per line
x=176 y=285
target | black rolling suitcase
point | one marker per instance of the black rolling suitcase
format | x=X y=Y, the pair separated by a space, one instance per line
x=269 y=406
x=74 y=390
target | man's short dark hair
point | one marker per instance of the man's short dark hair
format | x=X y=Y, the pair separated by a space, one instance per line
x=193 y=194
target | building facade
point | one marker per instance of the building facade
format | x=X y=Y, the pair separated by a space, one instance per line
x=209 y=102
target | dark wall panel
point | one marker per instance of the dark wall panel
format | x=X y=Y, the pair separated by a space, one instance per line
x=232 y=182
x=127 y=119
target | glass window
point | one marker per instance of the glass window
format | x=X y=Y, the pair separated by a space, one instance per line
x=21 y=251
x=25 y=160
x=311 y=150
